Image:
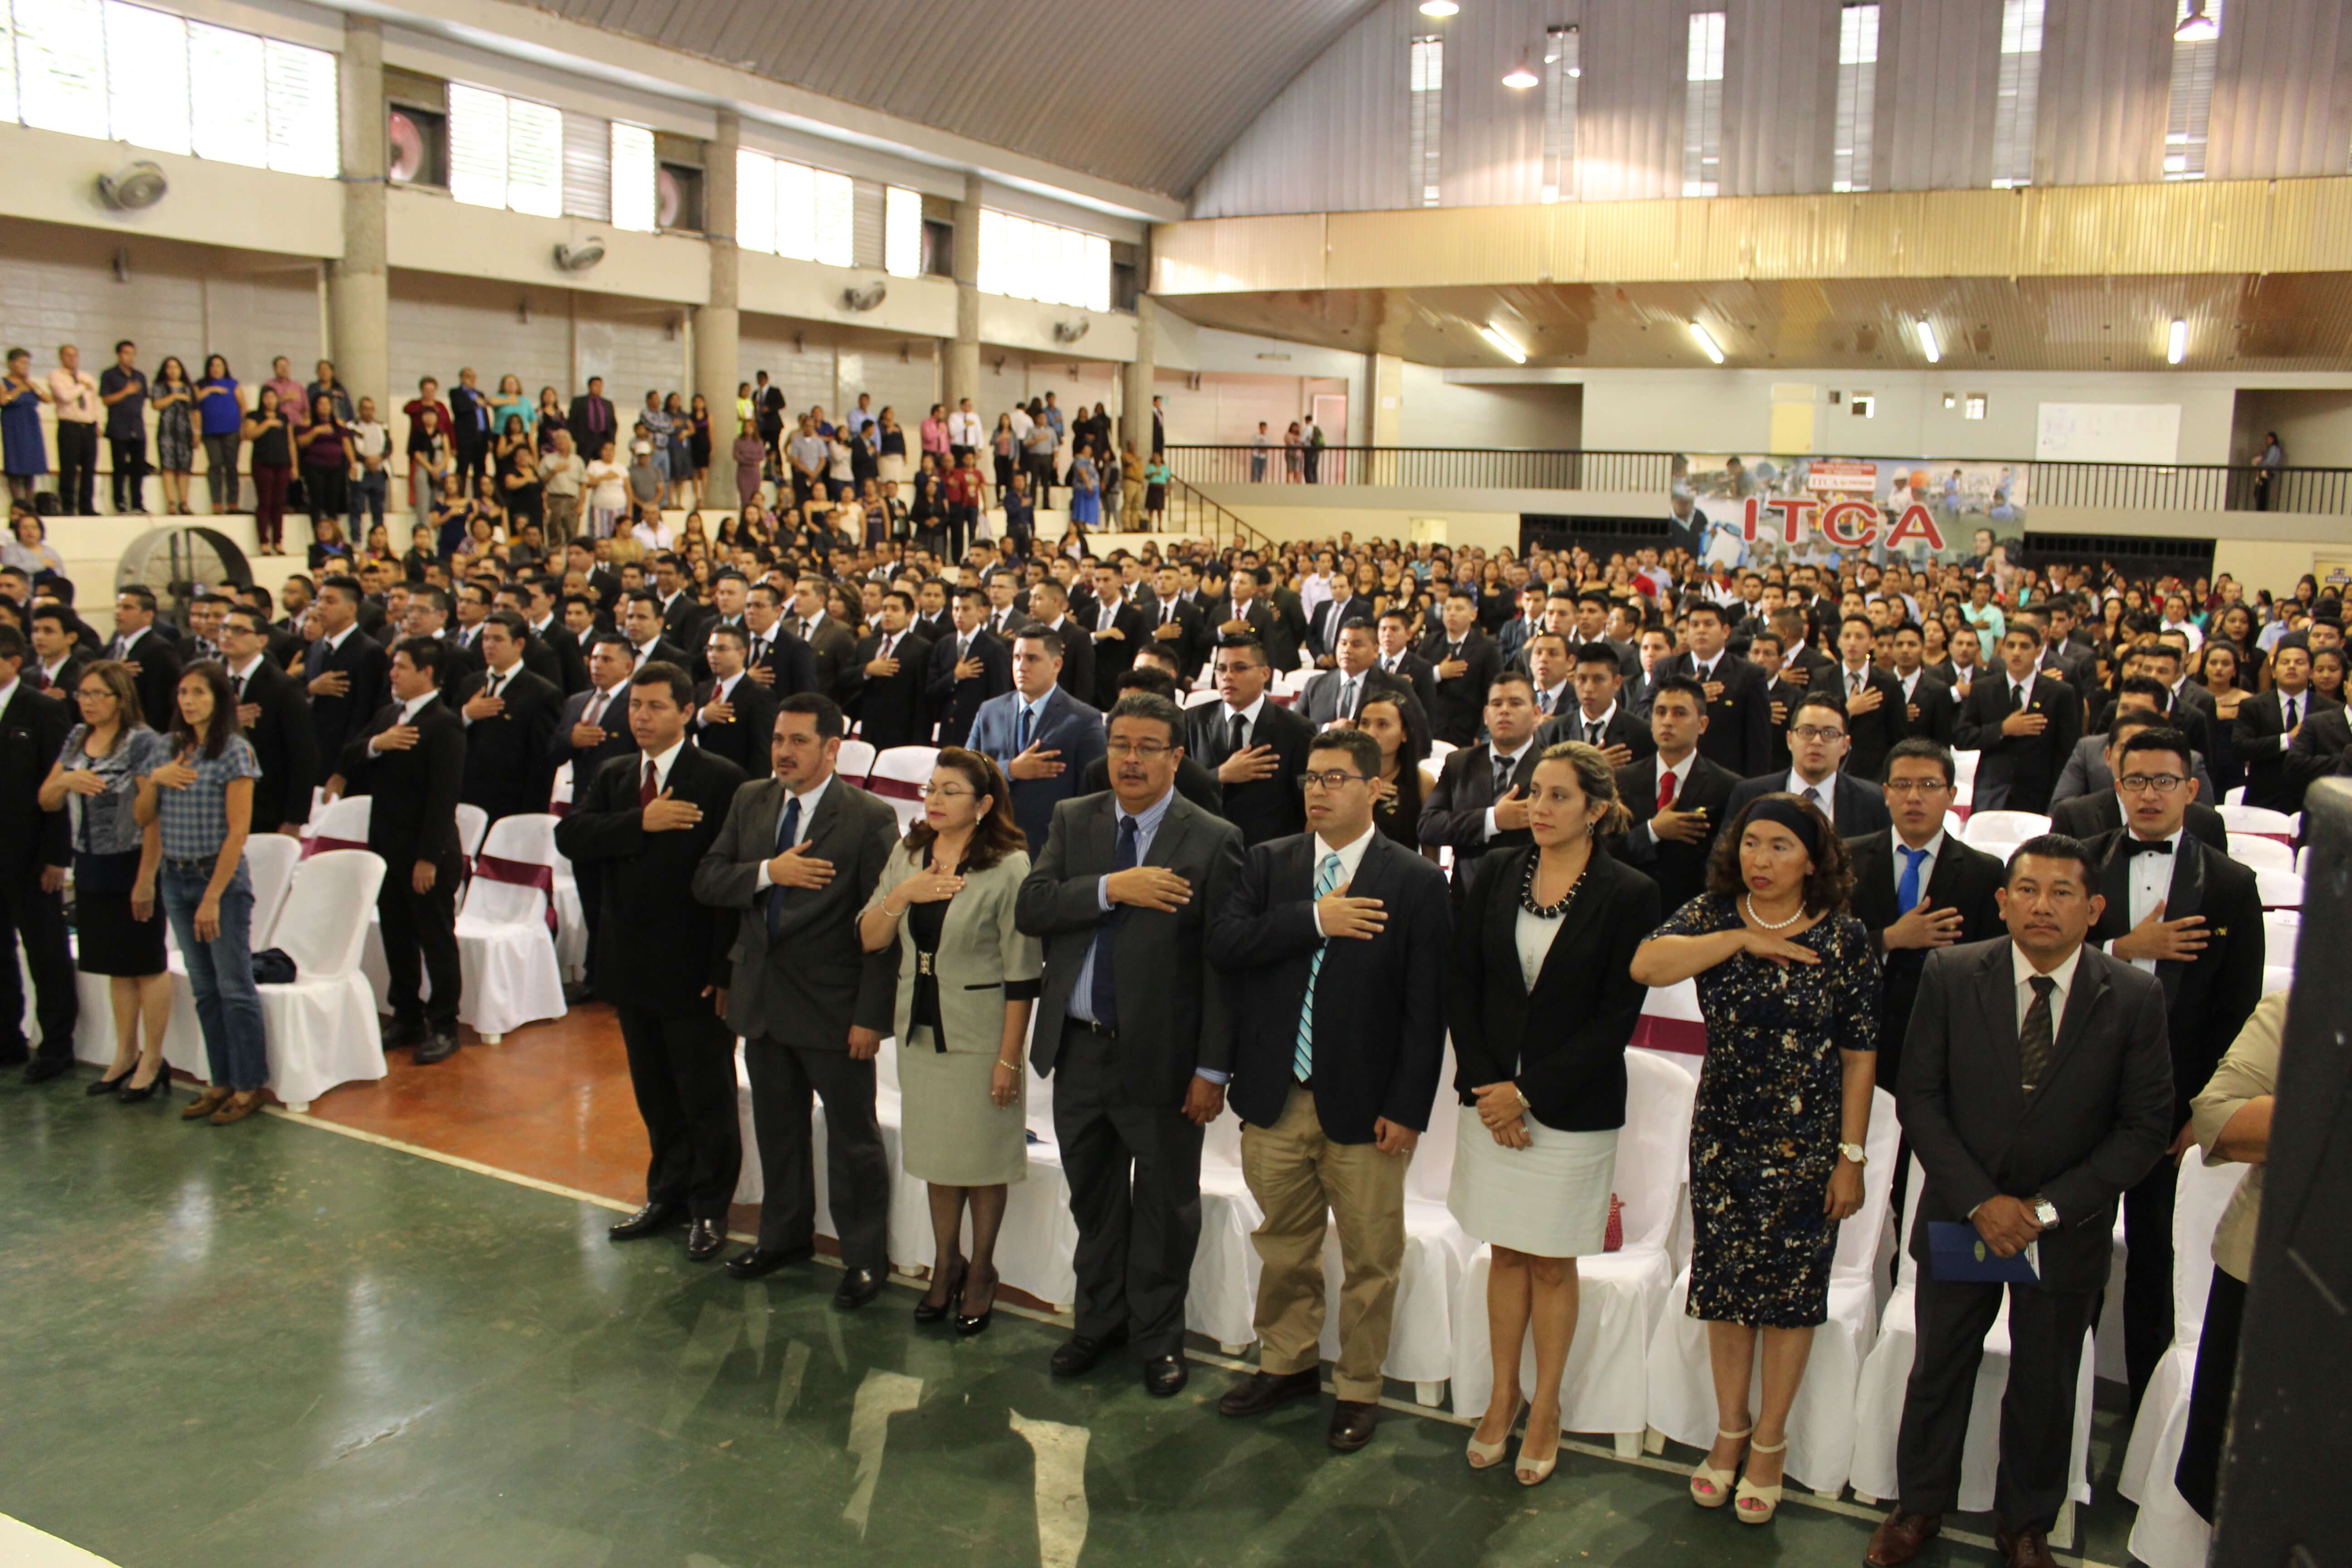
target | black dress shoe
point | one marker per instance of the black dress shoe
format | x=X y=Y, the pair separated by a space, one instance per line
x=1165 y=1376
x=650 y=1220
x=858 y=1286
x=704 y=1241
x=41 y=1069
x=762 y=1261
x=110 y=1085
x=1076 y=1355
x=1262 y=1390
x=927 y=1313
x=405 y=1031
x=439 y=1048
x=1352 y=1423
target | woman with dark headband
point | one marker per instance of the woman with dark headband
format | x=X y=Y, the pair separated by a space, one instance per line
x=1788 y=988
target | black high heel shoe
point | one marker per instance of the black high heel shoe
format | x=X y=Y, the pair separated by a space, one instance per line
x=109 y=1085
x=927 y=1313
x=966 y=1326
x=131 y=1095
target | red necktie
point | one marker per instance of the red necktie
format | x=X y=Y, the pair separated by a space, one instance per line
x=650 y=790
x=1665 y=788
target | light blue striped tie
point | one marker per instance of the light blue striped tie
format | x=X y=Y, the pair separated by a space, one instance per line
x=1302 y=1060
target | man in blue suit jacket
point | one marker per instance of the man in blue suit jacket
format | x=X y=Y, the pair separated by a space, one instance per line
x=1042 y=737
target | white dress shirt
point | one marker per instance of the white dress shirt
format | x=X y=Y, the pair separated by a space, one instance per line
x=719 y=693
x=2151 y=884
x=1351 y=856
x=2022 y=969
x=1681 y=771
x=1525 y=746
x=1227 y=714
x=1827 y=797
x=808 y=799
x=1584 y=721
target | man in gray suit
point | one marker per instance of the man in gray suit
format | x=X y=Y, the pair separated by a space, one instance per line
x=2086 y=771
x=1134 y=1019
x=2036 y=1087
x=798 y=855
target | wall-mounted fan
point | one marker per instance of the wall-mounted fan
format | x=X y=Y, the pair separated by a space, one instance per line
x=132 y=186
x=404 y=148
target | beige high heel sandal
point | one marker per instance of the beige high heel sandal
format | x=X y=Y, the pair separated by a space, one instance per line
x=1486 y=1456
x=1749 y=1492
x=1716 y=1482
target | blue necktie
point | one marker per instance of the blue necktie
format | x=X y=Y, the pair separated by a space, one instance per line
x=1906 y=887
x=1302 y=1059
x=788 y=829
x=1021 y=743
x=1106 y=987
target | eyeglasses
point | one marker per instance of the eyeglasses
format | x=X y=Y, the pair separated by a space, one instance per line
x=1914 y=786
x=2140 y=784
x=944 y=792
x=1142 y=751
x=1333 y=780
x=1817 y=732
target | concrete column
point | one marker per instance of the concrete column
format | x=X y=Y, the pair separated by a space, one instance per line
x=1135 y=399
x=960 y=354
x=718 y=326
x=358 y=308
x=1387 y=411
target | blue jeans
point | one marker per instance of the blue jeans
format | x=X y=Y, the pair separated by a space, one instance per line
x=220 y=972
x=365 y=494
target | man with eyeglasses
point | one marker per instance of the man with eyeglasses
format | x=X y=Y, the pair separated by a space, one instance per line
x=1817 y=746
x=1338 y=944
x=1042 y=737
x=2192 y=918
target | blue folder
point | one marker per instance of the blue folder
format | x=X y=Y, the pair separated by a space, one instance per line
x=1957 y=1254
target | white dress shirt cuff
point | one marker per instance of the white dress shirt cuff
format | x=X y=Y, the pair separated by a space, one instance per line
x=761 y=881
x=1212 y=1074
x=1102 y=894
x=1489 y=829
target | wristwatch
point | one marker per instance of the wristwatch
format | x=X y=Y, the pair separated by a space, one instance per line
x=2045 y=1213
x=1855 y=1152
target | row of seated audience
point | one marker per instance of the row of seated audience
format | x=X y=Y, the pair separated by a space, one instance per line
x=1815 y=897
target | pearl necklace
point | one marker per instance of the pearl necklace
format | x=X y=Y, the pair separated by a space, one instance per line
x=1767 y=925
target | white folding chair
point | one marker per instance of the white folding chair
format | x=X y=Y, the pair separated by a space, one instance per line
x=269 y=862
x=855 y=762
x=2282 y=930
x=897 y=773
x=505 y=942
x=1620 y=1293
x=1439 y=750
x=2277 y=977
x=2169 y=1533
x=2260 y=853
x=558 y=797
x=2257 y=820
x=1222 y=1298
x=473 y=824
x=1199 y=698
x=2279 y=889
x=341 y=824
x=2004 y=828
x=1821 y=1425
x=2233 y=796
x=322 y=1025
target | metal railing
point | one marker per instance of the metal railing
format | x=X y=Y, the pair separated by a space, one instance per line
x=1190 y=511
x=2142 y=487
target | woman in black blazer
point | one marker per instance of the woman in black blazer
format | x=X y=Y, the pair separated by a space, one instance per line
x=1544 y=1005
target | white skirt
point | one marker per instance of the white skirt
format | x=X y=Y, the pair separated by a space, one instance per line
x=892 y=468
x=1549 y=1199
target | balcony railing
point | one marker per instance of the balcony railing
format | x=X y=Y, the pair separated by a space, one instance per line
x=2137 y=486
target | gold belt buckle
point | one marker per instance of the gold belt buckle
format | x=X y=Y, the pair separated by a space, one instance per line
x=924 y=965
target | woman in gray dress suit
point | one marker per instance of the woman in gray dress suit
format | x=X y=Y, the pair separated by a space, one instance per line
x=967 y=980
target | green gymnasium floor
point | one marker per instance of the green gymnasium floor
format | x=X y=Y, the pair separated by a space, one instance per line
x=274 y=1344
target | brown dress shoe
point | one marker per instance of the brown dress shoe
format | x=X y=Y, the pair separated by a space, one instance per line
x=1899 y=1536
x=1262 y=1390
x=237 y=1109
x=1352 y=1423
x=2025 y=1549
x=204 y=1104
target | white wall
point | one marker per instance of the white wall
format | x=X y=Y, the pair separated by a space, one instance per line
x=817 y=367
x=48 y=176
x=1435 y=412
x=1225 y=408
x=2315 y=427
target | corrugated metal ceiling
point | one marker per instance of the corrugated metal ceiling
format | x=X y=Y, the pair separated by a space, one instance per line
x=1146 y=94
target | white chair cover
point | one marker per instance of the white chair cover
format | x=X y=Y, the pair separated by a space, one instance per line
x=2261 y=853
x=506 y=953
x=1620 y=1293
x=1821 y=1424
x=1223 y=1301
x=342 y=821
x=2282 y=930
x=2169 y=1533
x=2277 y=977
x=2279 y=889
x=322 y=1025
x=1878 y=1401
x=2256 y=819
x=269 y=862
x=473 y=822
x=898 y=773
x=1200 y=699
x=2004 y=828
x=855 y=762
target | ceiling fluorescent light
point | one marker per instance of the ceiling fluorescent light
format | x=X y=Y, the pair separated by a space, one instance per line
x=2175 y=346
x=2197 y=28
x=1439 y=8
x=1706 y=343
x=1522 y=76
x=1504 y=345
x=1927 y=344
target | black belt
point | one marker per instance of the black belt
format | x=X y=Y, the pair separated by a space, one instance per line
x=1088 y=1026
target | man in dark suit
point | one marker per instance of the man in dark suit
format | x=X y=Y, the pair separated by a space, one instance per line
x=1258 y=746
x=154 y=662
x=779 y=660
x=665 y=971
x=1592 y=607
x=2267 y=725
x=276 y=721
x=799 y=855
x=532 y=599
x=1780 y=696
x=2086 y=771
x=1040 y=736
x=34 y=855
x=591 y=420
x=1513 y=635
x=1480 y=802
x=2024 y=723
x=2036 y=1089
x=347 y=673
x=1118 y=629
x=641 y=623
x=734 y=715
x=590 y=730
x=1332 y=616
x=967 y=668
x=932 y=620
x=1394 y=631
x=1873 y=700
x=684 y=619
x=832 y=645
x=1929 y=710
x=893 y=704
x=1596 y=717
x=1817 y=744
x=1175 y=623
x=1134 y=1019
x=2322 y=748
x=1679 y=800
x=1049 y=607
x=411 y=760
x=1355 y=675
x=1194 y=782
x=509 y=715
x=2100 y=811
x=2194 y=918
x=1337 y=946
x=1739 y=735
x=55 y=663
x=1464 y=662
x=1286 y=637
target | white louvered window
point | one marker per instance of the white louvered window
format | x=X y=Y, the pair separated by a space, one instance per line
x=792 y=210
x=61 y=66
x=2017 y=91
x=7 y=65
x=1024 y=259
x=867 y=198
x=902 y=232
x=633 y=178
x=1564 y=69
x=504 y=152
x=234 y=127
x=1857 y=97
x=755 y=202
x=1425 y=116
x=1703 y=106
x=147 y=77
x=299 y=94
x=833 y=224
x=534 y=158
x=2193 y=63
x=587 y=167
